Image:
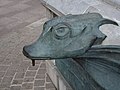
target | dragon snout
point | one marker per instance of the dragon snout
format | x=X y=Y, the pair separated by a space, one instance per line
x=26 y=51
x=37 y=52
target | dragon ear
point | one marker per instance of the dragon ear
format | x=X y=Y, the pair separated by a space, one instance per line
x=100 y=36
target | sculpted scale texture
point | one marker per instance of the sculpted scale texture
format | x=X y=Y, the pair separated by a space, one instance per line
x=76 y=39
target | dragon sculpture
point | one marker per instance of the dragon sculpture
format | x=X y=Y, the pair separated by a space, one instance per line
x=78 y=37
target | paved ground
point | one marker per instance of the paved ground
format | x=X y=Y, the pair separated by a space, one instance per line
x=20 y=24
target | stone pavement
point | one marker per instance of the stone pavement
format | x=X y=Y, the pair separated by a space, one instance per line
x=21 y=24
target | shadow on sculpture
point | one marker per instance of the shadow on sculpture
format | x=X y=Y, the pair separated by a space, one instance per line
x=75 y=42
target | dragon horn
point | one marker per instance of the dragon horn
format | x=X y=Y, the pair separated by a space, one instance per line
x=98 y=33
x=107 y=21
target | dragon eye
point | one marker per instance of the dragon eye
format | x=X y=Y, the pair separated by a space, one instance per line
x=61 y=31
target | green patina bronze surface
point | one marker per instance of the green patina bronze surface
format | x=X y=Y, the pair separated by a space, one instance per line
x=98 y=69
x=74 y=41
x=68 y=36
